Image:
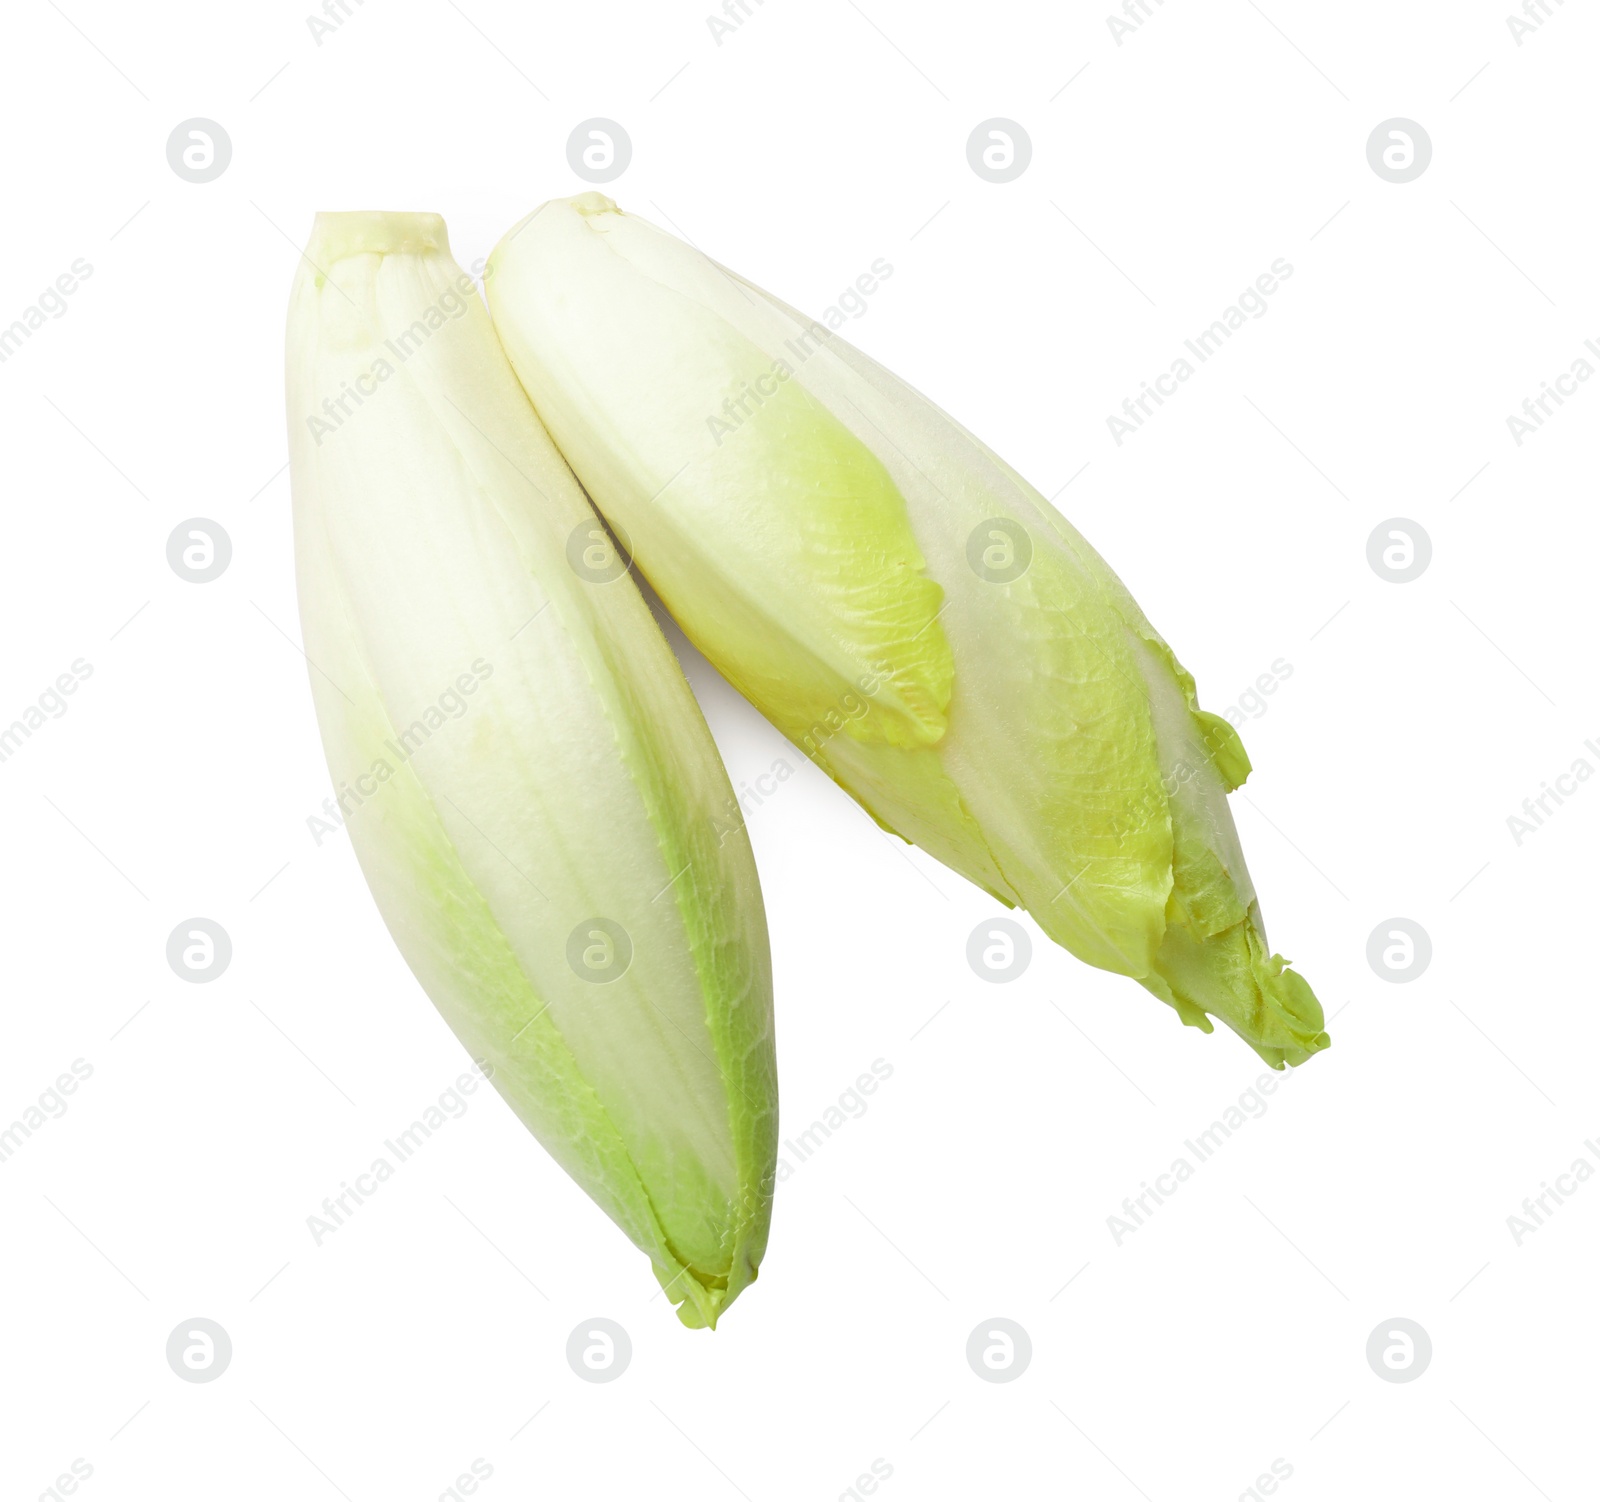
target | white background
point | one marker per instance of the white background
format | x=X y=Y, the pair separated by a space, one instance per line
x=1230 y=1330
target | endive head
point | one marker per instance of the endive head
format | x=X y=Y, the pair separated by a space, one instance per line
x=820 y=531
x=532 y=793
